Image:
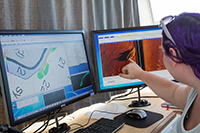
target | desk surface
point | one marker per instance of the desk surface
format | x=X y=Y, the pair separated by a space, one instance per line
x=77 y=116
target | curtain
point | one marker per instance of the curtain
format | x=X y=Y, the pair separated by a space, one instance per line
x=84 y=15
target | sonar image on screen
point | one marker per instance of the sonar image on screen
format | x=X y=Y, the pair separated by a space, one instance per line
x=115 y=56
x=153 y=56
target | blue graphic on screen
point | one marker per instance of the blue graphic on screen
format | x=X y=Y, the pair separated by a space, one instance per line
x=25 y=110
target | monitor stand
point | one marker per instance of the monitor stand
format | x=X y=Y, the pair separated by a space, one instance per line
x=59 y=128
x=7 y=129
x=139 y=102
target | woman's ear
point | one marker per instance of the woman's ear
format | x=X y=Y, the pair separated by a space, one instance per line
x=173 y=52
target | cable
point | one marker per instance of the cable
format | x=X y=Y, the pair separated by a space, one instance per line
x=120 y=96
x=33 y=122
x=45 y=123
x=127 y=94
x=76 y=124
x=41 y=118
x=137 y=97
x=58 y=120
x=89 y=120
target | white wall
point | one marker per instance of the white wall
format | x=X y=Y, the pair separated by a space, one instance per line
x=152 y=11
x=162 y=8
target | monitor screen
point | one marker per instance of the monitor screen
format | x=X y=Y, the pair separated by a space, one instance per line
x=113 y=48
x=152 y=57
x=43 y=71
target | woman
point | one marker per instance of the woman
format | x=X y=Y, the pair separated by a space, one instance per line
x=181 y=57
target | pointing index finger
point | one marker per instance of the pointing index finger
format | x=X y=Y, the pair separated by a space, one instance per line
x=131 y=60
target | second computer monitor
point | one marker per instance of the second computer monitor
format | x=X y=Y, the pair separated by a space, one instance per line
x=114 y=47
x=41 y=71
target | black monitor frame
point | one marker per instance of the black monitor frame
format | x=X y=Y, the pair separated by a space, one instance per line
x=140 y=62
x=143 y=37
x=4 y=80
x=130 y=40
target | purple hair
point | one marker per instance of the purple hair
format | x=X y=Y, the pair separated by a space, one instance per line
x=185 y=30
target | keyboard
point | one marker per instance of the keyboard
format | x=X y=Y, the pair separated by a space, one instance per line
x=103 y=125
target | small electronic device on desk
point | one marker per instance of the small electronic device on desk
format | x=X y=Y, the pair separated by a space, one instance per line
x=168 y=105
x=138 y=114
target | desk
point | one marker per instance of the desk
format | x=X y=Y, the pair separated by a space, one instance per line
x=77 y=116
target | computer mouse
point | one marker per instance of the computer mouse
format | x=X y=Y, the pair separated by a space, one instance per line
x=138 y=114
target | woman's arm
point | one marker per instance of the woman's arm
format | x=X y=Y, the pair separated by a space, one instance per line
x=168 y=90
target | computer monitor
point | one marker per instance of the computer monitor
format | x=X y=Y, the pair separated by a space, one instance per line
x=42 y=71
x=112 y=49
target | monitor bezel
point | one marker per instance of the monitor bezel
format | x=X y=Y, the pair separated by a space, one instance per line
x=96 y=72
x=4 y=82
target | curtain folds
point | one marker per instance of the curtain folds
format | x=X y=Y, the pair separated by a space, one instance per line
x=84 y=15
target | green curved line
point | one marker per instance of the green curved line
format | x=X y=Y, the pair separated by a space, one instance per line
x=41 y=73
x=83 y=78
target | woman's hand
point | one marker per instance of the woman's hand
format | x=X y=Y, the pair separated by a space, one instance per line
x=131 y=71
